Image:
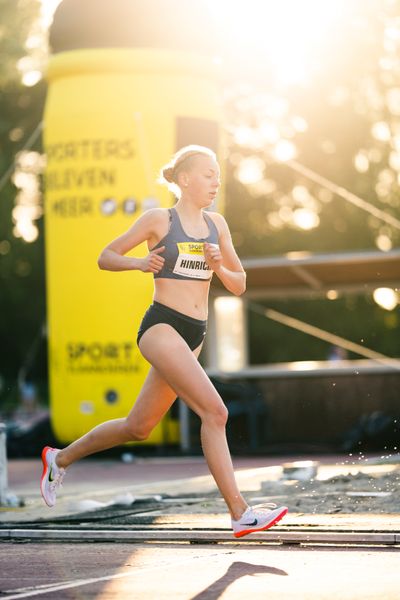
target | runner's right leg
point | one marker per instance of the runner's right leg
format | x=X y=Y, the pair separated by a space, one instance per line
x=154 y=400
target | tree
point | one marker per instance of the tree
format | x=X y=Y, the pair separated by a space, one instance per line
x=343 y=122
x=22 y=298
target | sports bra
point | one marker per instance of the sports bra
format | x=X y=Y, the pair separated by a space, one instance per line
x=184 y=255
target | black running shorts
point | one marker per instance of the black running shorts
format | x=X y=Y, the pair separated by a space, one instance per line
x=192 y=330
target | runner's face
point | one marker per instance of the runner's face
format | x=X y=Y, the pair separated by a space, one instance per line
x=201 y=183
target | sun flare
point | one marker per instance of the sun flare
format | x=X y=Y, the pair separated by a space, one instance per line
x=287 y=34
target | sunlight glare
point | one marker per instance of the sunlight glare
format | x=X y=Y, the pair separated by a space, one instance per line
x=383 y=242
x=299 y=124
x=31 y=78
x=303 y=365
x=332 y=294
x=380 y=131
x=284 y=151
x=28 y=200
x=230 y=325
x=361 y=161
x=394 y=160
x=287 y=34
x=386 y=298
x=393 y=100
x=305 y=219
x=47 y=11
x=27 y=230
x=250 y=170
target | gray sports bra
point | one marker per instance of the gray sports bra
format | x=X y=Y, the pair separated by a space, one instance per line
x=184 y=255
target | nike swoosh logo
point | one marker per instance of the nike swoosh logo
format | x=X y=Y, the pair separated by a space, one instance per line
x=51 y=478
x=255 y=522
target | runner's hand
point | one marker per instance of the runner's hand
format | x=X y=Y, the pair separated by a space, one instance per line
x=153 y=263
x=213 y=256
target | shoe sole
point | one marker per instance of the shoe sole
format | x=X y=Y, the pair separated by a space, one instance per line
x=278 y=517
x=45 y=468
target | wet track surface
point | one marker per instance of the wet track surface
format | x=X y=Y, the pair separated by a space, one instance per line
x=171 y=538
x=187 y=572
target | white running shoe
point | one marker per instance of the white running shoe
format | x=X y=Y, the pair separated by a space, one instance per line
x=258 y=518
x=52 y=475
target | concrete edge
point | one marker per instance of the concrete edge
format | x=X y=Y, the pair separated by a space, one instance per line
x=287 y=537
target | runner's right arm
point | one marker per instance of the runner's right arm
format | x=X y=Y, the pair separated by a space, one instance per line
x=147 y=228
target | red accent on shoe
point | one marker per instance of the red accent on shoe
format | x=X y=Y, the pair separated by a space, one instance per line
x=273 y=522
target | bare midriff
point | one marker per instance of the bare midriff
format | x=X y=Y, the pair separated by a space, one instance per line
x=189 y=297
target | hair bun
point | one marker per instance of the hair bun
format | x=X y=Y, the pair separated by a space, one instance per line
x=168 y=174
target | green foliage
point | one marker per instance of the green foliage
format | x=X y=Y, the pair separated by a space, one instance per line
x=16 y=19
x=347 y=95
x=22 y=297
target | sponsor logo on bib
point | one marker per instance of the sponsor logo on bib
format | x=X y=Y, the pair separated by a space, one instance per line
x=191 y=261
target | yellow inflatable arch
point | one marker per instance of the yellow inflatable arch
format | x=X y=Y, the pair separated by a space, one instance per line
x=113 y=117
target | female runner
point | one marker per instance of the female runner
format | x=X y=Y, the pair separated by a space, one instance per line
x=186 y=245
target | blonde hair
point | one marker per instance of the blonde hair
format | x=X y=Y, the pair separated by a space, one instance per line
x=182 y=161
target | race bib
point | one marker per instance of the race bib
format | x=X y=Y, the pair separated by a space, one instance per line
x=191 y=261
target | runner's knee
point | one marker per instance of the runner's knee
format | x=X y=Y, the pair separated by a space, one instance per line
x=216 y=416
x=137 y=432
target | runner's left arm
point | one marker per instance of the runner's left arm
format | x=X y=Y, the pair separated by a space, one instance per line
x=224 y=261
